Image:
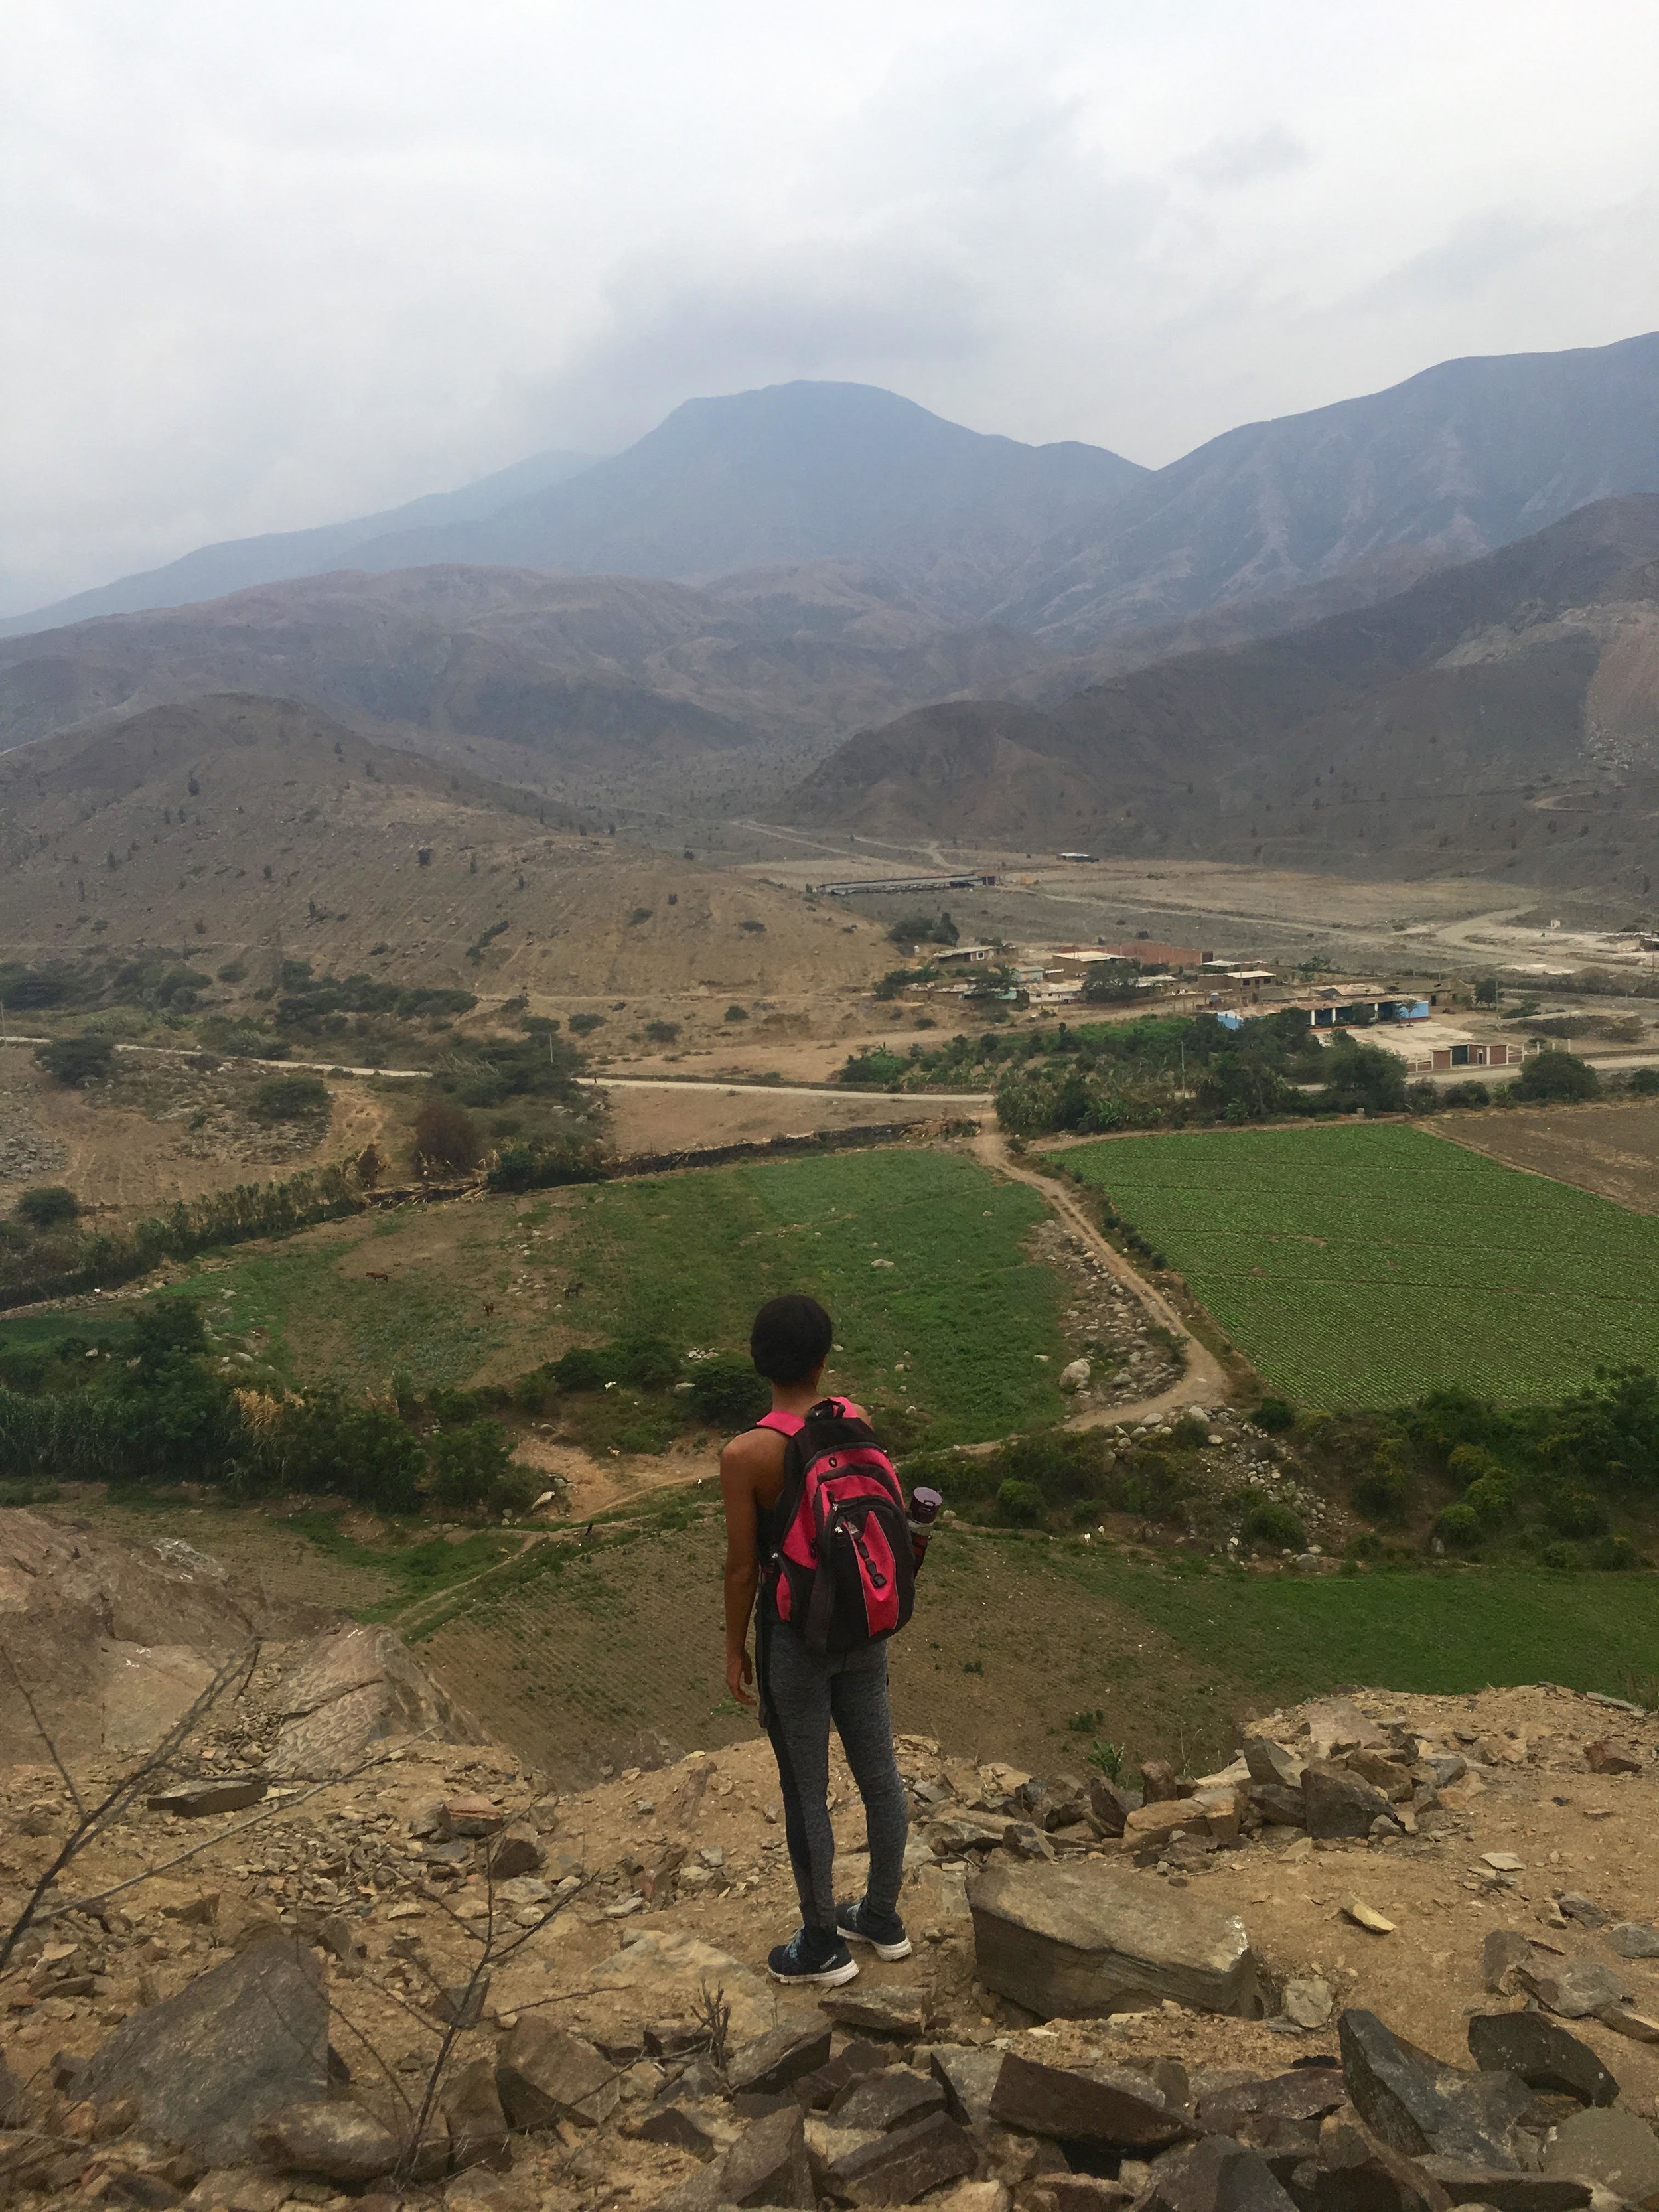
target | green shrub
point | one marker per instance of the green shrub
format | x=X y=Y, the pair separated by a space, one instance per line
x=1021 y=1504
x=1615 y=1555
x=1267 y=1522
x=1560 y=1076
x=516 y=1490
x=1559 y=1555
x=1574 y=1512
x=1644 y=1082
x=727 y=1393
x=535 y=1164
x=288 y=1098
x=48 y=1206
x=662 y=1032
x=1458 y=1525
x=77 y=1060
x=585 y=1024
x=1275 y=1415
x=735 y=1013
x=469 y=1466
x=363 y=1452
x=648 y=1363
x=1110 y=1758
x=582 y=1368
x=1387 y=1489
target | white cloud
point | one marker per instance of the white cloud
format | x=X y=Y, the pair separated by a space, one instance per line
x=263 y=268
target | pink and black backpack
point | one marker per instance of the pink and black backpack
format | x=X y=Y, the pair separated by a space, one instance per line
x=843 y=1571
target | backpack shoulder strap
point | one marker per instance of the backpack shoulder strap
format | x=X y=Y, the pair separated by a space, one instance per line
x=786 y=1425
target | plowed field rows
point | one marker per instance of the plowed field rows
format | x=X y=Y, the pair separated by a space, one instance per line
x=1360 y=1267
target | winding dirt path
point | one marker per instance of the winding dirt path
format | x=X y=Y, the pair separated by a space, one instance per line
x=1204 y=1383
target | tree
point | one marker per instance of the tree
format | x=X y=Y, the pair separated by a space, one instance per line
x=288 y=1098
x=923 y=929
x=77 y=1060
x=1560 y=1077
x=470 y=1465
x=1364 y=1075
x=1244 y=1085
x=48 y=1206
x=1112 y=984
x=1487 y=990
x=445 y=1139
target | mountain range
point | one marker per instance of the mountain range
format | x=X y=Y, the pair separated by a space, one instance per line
x=1500 y=714
x=1353 y=637
x=1068 y=542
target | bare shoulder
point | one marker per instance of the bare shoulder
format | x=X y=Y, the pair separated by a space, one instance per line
x=755 y=1458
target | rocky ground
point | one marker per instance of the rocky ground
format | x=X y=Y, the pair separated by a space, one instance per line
x=1104 y=1326
x=326 y=1940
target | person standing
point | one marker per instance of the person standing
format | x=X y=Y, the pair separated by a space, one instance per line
x=802 y=1689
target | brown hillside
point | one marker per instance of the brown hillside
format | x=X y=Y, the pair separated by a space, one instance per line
x=599 y=689
x=1503 y=714
x=256 y=828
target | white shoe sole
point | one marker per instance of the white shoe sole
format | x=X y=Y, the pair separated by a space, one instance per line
x=887 y=1951
x=831 y=1978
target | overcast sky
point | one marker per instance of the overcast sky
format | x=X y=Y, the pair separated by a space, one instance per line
x=263 y=267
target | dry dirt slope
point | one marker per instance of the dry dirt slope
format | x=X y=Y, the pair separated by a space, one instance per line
x=301 y=839
x=357 y=1903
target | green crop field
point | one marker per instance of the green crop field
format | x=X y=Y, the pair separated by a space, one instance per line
x=1360 y=1267
x=956 y=1321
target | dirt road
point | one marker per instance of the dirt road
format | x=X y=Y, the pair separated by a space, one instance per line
x=1203 y=1383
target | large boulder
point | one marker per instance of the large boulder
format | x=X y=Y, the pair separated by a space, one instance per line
x=1081 y=1938
x=209 y=2068
x=116 y=1641
x=337 y=2140
x=1617 y=2151
x=1105 y=2105
x=342 y=1691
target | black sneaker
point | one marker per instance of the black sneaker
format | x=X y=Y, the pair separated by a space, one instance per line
x=812 y=1955
x=884 y=1933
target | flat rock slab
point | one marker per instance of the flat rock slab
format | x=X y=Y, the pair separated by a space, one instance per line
x=1082 y=1939
x=967 y=2077
x=545 y=2074
x=1415 y=2105
x=897 y=2168
x=1575 y=1990
x=354 y=1687
x=769 y=2164
x=336 y=2140
x=222 y=1793
x=1616 y=2151
x=233 y=2049
x=893 y=2009
x=782 y=2056
x=1087 y=2104
x=1338 y=1803
x=1216 y=2175
x=1634 y=1939
x=895 y=2098
x=671 y=1970
x=1542 y=2053
x=1505 y=2192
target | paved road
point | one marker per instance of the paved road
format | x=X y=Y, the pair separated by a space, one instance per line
x=788 y=1090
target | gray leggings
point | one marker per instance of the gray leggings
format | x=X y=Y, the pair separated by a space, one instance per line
x=802 y=1692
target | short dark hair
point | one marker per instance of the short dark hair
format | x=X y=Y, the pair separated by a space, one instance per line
x=790 y=1337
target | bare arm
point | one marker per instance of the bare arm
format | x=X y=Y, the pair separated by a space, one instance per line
x=749 y=1462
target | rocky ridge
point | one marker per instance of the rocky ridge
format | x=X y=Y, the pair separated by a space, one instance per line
x=1173 y=1998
